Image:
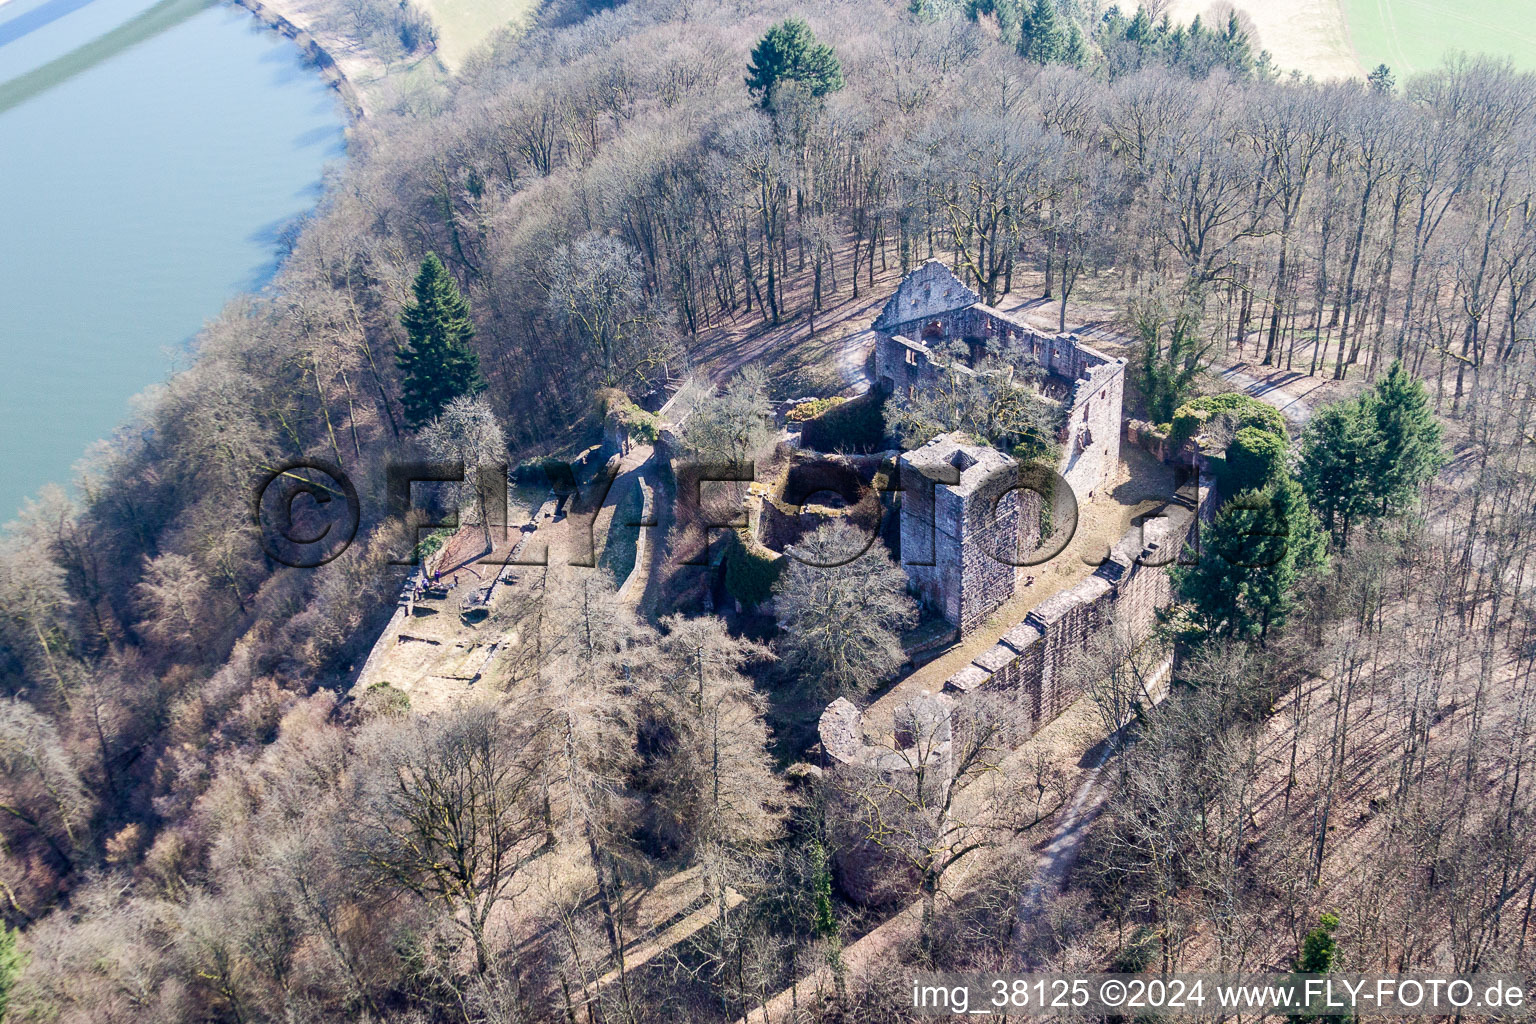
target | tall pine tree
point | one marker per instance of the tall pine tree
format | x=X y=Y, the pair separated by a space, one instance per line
x=1411 y=452
x=789 y=52
x=1041 y=36
x=1369 y=458
x=1252 y=556
x=436 y=363
x=1340 y=453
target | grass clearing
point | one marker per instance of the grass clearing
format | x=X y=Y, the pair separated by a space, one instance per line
x=1415 y=35
x=463 y=25
x=618 y=553
x=1309 y=36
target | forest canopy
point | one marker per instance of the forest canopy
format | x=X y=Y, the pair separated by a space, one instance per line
x=204 y=825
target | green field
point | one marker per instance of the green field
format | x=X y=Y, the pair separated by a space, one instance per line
x=464 y=24
x=1414 y=35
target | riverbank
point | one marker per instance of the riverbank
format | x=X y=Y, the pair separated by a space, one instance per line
x=126 y=233
x=363 y=77
x=329 y=55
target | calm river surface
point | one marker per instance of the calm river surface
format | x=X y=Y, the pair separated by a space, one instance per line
x=150 y=153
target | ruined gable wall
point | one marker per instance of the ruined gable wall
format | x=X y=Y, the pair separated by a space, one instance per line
x=929 y=291
x=905 y=360
x=1090 y=457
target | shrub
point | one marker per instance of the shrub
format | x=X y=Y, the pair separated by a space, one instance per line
x=382 y=698
x=810 y=410
x=432 y=543
x=1254 y=459
x=545 y=470
x=616 y=408
x=1240 y=409
x=1137 y=954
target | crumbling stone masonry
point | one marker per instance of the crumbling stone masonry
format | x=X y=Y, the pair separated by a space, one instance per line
x=932 y=308
x=961 y=527
x=1036 y=657
x=921 y=755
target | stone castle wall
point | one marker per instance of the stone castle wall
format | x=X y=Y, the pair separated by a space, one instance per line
x=1036 y=659
x=1037 y=656
x=932 y=309
x=959 y=527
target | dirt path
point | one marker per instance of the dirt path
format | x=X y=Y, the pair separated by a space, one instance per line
x=1290 y=392
x=852 y=355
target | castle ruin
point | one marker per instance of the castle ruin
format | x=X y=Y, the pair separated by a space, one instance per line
x=962 y=526
x=964 y=511
x=962 y=518
x=932 y=308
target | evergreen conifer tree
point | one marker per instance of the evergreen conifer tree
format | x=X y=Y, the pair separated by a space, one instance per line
x=436 y=363
x=1319 y=948
x=1076 y=50
x=1253 y=555
x=1410 y=451
x=1319 y=951
x=1041 y=37
x=1237 y=53
x=789 y=52
x=1370 y=457
x=1340 y=454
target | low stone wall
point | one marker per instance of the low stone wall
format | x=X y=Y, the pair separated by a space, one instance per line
x=784 y=511
x=1147 y=437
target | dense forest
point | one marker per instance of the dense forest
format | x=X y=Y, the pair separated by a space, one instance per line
x=202 y=824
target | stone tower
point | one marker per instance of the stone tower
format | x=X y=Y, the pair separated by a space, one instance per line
x=960 y=527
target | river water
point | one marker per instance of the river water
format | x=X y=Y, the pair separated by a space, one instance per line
x=151 y=154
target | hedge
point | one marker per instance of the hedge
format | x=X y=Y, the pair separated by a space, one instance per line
x=1243 y=410
x=1254 y=459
